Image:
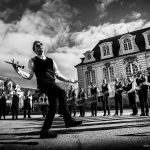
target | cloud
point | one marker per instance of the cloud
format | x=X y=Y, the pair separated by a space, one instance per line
x=133 y=16
x=101 y=6
x=51 y=25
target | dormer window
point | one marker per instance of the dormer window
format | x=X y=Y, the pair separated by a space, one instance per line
x=147 y=39
x=89 y=56
x=127 y=44
x=106 y=50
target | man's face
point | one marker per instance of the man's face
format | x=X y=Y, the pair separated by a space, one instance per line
x=104 y=81
x=39 y=49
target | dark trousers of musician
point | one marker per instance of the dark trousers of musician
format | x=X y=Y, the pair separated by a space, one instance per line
x=118 y=100
x=2 y=111
x=143 y=102
x=14 y=110
x=27 y=107
x=132 y=101
x=82 y=110
x=106 y=104
x=94 y=108
x=44 y=110
x=72 y=107
x=54 y=92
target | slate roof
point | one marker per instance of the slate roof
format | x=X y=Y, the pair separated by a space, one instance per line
x=139 y=40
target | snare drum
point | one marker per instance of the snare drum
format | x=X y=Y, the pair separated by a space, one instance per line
x=80 y=102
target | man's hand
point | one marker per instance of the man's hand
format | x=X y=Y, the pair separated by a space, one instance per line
x=15 y=65
x=73 y=81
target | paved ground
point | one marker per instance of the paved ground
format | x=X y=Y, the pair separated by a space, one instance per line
x=96 y=133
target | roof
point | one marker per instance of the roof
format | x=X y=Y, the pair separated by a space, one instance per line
x=139 y=40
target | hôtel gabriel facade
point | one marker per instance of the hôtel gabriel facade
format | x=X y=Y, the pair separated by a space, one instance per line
x=118 y=56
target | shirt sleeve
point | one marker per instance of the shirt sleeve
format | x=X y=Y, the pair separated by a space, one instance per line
x=58 y=74
x=109 y=88
x=27 y=75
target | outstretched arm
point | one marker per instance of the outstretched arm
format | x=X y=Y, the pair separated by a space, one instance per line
x=26 y=75
x=60 y=76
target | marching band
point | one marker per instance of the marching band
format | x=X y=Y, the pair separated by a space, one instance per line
x=133 y=87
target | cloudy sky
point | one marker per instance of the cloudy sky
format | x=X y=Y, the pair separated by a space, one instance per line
x=68 y=28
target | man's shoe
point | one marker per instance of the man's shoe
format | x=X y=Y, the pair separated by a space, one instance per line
x=147 y=114
x=115 y=114
x=47 y=135
x=142 y=114
x=73 y=123
x=121 y=114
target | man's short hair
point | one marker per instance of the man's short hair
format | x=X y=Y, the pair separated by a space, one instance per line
x=34 y=44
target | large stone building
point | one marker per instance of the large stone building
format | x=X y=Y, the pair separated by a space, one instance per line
x=118 y=56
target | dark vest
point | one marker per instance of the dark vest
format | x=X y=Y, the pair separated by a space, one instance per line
x=93 y=91
x=129 y=86
x=104 y=88
x=44 y=71
x=118 y=86
x=81 y=95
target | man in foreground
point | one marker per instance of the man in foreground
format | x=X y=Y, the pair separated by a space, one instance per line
x=45 y=70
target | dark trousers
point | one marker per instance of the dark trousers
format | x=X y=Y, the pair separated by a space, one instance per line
x=82 y=110
x=54 y=92
x=106 y=105
x=2 y=110
x=131 y=97
x=44 y=110
x=118 y=100
x=72 y=107
x=143 y=102
x=27 y=107
x=14 y=110
x=94 y=108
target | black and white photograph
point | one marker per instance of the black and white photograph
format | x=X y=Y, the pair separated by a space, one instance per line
x=74 y=74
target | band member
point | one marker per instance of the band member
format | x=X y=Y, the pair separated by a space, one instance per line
x=130 y=88
x=118 y=96
x=81 y=95
x=2 y=105
x=94 y=94
x=27 y=104
x=45 y=70
x=72 y=95
x=15 y=105
x=105 y=91
x=44 y=103
x=142 y=91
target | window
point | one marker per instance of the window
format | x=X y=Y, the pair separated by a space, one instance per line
x=90 y=77
x=148 y=37
x=127 y=44
x=89 y=56
x=106 y=50
x=131 y=69
x=109 y=74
